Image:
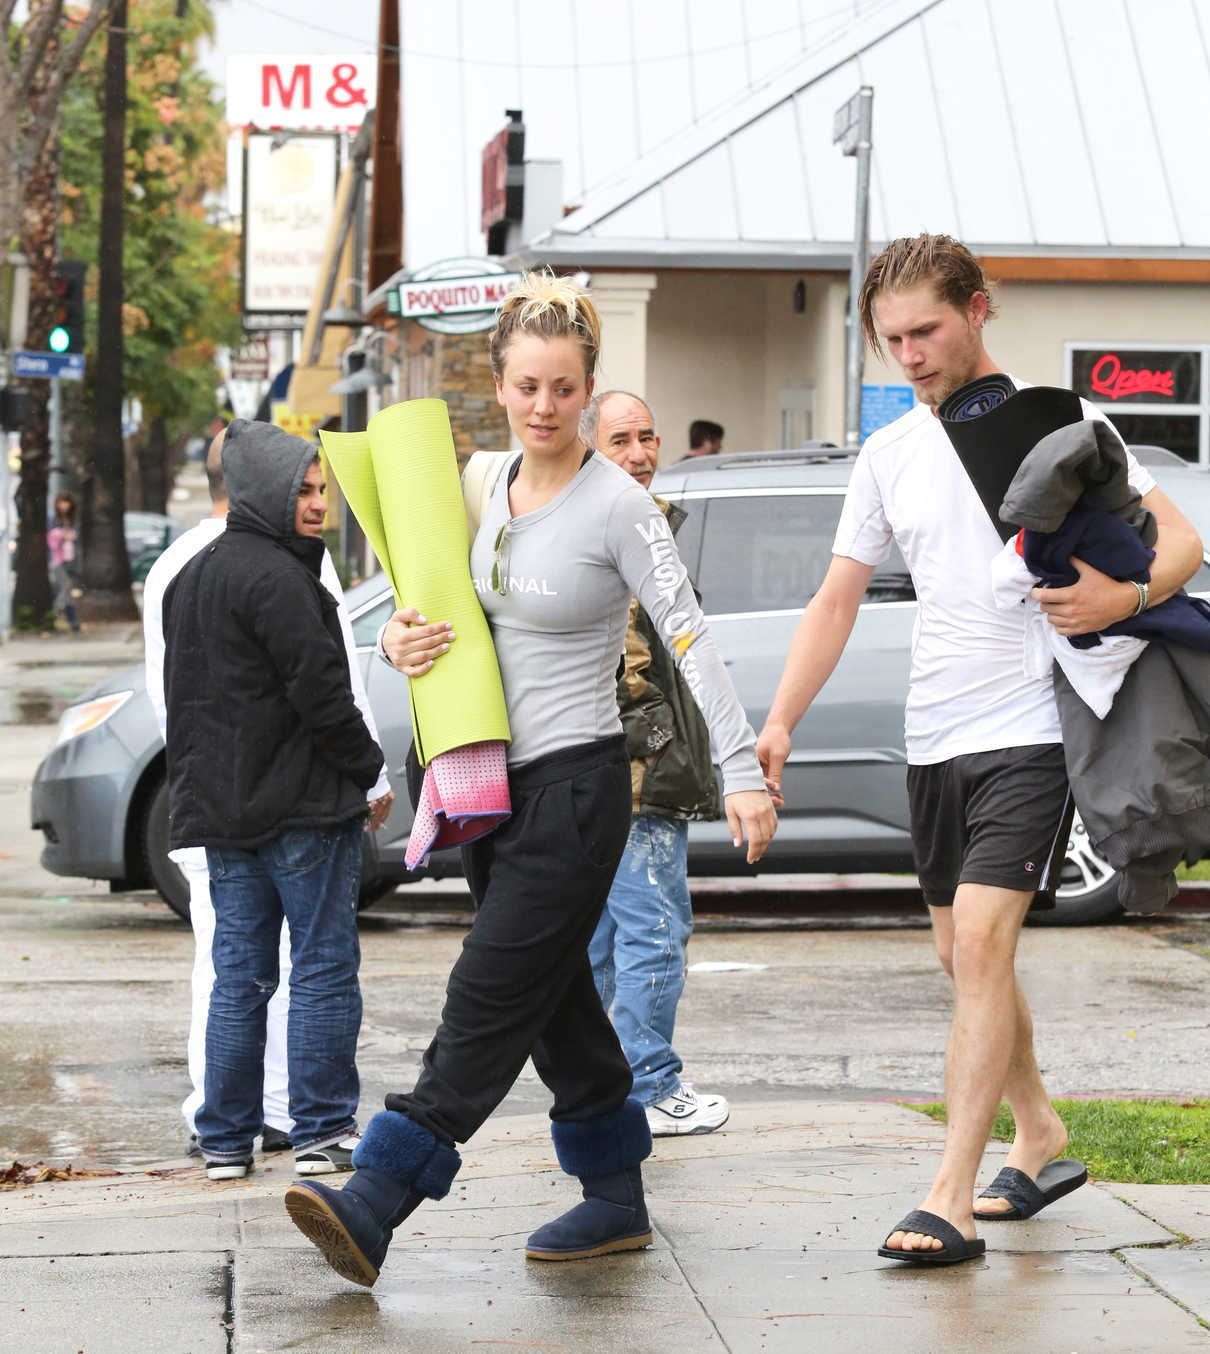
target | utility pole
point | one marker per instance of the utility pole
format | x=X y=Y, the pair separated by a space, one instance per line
x=106 y=571
x=852 y=128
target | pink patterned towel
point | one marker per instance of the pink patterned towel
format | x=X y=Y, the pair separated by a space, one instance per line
x=464 y=796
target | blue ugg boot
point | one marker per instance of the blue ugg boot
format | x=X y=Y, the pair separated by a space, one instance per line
x=604 y=1153
x=397 y=1165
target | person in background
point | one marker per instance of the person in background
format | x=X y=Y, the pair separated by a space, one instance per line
x=705 y=438
x=638 y=951
x=269 y=765
x=61 y=540
x=192 y=860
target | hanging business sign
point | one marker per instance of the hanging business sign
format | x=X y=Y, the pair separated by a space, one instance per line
x=503 y=182
x=455 y=296
x=251 y=362
x=289 y=191
x=304 y=93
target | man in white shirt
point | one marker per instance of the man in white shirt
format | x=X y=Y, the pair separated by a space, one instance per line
x=192 y=860
x=986 y=778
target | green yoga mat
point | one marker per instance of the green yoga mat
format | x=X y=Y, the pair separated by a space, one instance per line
x=400 y=477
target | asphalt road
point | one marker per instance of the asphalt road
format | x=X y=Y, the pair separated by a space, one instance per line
x=832 y=993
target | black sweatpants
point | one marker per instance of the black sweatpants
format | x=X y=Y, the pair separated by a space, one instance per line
x=523 y=985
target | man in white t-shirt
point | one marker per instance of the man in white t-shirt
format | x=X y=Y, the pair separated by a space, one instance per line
x=192 y=859
x=986 y=779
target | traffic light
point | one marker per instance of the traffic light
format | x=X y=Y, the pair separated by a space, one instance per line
x=14 y=409
x=67 y=320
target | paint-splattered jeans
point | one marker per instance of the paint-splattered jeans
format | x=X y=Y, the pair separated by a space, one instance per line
x=638 y=951
x=311 y=876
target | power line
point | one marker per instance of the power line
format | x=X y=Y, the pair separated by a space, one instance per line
x=558 y=65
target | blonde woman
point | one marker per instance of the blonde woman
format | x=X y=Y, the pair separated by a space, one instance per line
x=566 y=539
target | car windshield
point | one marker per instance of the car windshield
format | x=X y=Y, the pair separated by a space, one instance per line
x=769 y=552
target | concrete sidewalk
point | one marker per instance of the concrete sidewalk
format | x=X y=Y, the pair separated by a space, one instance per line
x=766 y=1233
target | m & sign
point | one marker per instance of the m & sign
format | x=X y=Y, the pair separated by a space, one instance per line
x=300 y=93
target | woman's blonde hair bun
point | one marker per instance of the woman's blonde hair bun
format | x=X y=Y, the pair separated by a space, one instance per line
x=547 y=306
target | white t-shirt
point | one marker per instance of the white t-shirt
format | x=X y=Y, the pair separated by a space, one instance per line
x=968 y=690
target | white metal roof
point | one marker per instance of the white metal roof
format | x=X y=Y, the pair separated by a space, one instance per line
x=1020 y=126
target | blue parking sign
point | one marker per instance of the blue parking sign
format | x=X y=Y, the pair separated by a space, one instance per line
x=881 y=405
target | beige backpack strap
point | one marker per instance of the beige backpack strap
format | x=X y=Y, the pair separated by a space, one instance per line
x=478 y=481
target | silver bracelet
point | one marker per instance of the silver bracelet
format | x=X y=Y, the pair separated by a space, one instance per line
x=1144 y=591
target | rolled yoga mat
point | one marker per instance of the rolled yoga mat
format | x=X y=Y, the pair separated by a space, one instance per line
x=993 y=427
x=400 y=478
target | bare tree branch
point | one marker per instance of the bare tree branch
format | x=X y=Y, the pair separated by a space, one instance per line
x=41 y=123
x=38 y=41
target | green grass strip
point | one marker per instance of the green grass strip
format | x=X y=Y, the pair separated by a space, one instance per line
x=1145 y=1142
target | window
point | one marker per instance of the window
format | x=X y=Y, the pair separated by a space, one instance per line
x=1154 y=394
x=769 y=552
x=797 y=408
x=367 y=625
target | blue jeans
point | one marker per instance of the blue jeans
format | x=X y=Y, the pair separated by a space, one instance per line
x=638 y=951
x=311 y=876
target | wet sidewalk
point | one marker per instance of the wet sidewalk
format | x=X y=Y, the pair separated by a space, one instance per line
x=765 y=1240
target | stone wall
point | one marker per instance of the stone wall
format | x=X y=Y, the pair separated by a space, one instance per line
x=454 y=368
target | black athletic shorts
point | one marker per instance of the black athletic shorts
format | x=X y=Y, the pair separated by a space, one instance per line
x=999 y=818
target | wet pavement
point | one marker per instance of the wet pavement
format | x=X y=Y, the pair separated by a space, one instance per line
x=765 y=1235
x=812 y=1017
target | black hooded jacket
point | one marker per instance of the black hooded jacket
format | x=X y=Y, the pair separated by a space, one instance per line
x=263 y=732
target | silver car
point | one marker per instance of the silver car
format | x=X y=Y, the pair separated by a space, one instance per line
x=758 y=541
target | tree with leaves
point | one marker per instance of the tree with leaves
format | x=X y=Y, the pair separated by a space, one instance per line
x=38 y=59
x=180 y=298
x=37 y=62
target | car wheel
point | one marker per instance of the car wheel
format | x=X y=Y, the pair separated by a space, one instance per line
x=169 y=882
x=1088 y=888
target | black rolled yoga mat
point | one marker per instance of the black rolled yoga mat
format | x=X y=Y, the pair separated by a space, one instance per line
x=993 y=427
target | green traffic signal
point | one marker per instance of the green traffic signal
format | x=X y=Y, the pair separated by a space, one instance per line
x=67 y=318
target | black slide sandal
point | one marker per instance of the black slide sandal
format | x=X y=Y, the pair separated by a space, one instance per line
x=954 y=1246
x=1029 y=1196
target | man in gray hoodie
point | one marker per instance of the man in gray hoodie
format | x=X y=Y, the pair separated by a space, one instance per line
x=269 y=763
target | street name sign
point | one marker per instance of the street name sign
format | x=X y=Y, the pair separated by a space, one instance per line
x=49 y=366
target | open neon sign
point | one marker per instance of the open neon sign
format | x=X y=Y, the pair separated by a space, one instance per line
x=1114 y=381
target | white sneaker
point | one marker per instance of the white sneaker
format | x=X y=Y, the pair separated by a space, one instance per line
x=684 y=1111
x=228 y=1170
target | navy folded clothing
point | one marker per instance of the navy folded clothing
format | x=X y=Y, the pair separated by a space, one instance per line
x=993 y=427
x=1114 y=547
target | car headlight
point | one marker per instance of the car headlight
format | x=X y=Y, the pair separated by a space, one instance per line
x=89 y=715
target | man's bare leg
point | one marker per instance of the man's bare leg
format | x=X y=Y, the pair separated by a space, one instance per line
x=983 y=1046
x=1040 y=1134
